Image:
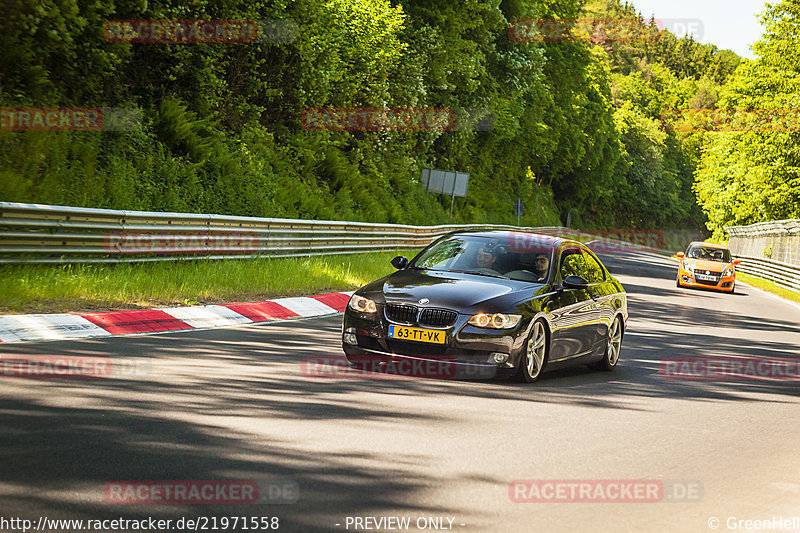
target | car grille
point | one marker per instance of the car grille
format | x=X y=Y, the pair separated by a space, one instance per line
x=404 y=314
x=437 y=317
x=715 y=281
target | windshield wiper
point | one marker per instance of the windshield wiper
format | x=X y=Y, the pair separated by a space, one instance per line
x=479 y=273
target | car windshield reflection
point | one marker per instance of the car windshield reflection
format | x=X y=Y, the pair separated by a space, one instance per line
x=707 y=253
x=498 y=257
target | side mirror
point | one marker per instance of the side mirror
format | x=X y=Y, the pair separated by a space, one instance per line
x=400 y=262
x=680 y=255
x=736 y=262
x=575 y=282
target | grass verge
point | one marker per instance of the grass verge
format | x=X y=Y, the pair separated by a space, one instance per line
x=94 y=287
x=768 y=286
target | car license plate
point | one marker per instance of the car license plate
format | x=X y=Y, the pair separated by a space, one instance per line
x=417 y=334
x=706 y=278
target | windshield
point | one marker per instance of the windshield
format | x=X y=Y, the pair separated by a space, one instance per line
x=709 y=253
x=489 y=256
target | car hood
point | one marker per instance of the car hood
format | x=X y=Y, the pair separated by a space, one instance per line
x=703 y=264
x=451 y=290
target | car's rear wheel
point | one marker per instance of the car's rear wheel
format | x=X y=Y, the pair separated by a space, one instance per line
x=534 y=356
x=614 y=346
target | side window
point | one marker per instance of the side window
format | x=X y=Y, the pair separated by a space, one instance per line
x=572 y=263
x=594 y=272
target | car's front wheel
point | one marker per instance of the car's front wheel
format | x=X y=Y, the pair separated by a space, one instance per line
x=613 y=347
x=534 y=356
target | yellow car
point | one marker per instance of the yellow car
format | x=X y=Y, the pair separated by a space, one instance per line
x=707 y=265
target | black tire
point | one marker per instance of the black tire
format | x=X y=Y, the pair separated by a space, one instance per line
x=733 y=289
x=613 y=347
x=534 y=354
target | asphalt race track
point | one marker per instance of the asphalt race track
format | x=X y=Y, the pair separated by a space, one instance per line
x=240 y=404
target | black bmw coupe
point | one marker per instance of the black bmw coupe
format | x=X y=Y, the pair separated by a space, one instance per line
x=490 y=303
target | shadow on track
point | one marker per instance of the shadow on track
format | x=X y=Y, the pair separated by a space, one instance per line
x=168 y=425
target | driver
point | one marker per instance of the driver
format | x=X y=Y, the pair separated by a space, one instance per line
x=542 y=265
x=487 y=257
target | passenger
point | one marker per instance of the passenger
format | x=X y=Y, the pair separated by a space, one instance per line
x=542 y=266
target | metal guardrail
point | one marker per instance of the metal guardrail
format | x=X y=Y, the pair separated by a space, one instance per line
x=783 y=274
x=59 y=234
x=34 y=233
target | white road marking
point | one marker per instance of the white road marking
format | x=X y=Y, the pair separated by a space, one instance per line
x=47 y=327
x=208 y=316
x=305 y=306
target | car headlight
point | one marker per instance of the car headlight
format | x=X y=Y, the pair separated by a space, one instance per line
x=495 y=321
x=361 y=304
x=728 y=272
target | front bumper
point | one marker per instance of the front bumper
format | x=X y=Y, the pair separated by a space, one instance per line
x=723 y=283
x=467 y=353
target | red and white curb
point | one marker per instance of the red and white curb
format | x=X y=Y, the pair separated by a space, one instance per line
x=18 y=328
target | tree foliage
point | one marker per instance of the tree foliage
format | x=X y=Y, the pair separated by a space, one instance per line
x=572 y=126
x=754 y=176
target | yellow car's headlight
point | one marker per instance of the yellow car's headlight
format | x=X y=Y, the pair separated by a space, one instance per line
x=495 y=321
x=728 y=272
x=361 y=304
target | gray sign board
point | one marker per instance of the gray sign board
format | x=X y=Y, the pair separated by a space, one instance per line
x=445 y=181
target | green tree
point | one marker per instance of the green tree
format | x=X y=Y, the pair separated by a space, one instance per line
x=753 y=176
